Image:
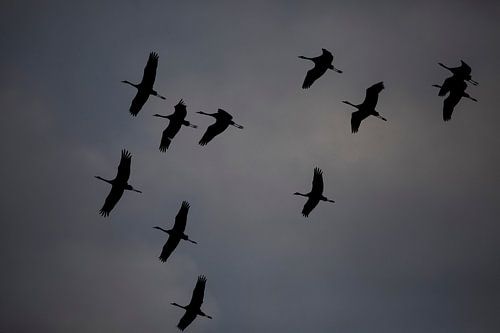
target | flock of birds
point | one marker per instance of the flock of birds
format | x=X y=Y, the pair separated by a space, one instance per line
x=454 y=86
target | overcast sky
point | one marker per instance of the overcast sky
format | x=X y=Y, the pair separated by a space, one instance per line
x=412 y=243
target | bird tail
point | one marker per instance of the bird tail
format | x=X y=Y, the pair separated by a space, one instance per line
x=165 y=144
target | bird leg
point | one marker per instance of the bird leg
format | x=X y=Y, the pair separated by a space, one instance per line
x=473 y=82
x=192 y=241
x=155 y=93
x=335 y=69
x=236 y=125
x=380 y=117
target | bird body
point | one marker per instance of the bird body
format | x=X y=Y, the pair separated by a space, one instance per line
x=321 y=65
x=118 y=185
x=367 y=108
x=222 y=121
x=316 y=193
x=193 y=309
x=145 y=88
x=176 y=234
x=177 y=120
x=456 y=89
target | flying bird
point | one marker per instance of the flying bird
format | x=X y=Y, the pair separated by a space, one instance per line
x=176 y=233
x=145 y=88
x=457 y=91
x=177 y=120
x=193 y=309
x=367 y=108
x=463 y=72
x=119 y=184
x=316 y=194
x=321 y=65
x=222 y=121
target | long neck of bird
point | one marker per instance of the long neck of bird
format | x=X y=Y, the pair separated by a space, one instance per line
x=349 y=103
x=132 y=84
x=106 y=180
x=302 y=194
x=207 y=114
x=159 y=228
x=180 y=306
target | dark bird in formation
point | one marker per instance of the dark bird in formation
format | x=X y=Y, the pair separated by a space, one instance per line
x=176 y=233
x=316 y=194
x=455 y=85
x=193 y=309
x=119 y=184
x=177 y=120
x=222 y=121
x=145 y=88
x=367 y=108
x=321 y=65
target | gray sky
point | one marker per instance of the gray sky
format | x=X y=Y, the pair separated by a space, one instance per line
x=412 y=243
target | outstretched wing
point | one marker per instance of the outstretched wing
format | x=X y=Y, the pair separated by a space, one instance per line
x=168 y=134
x=138 y=102
x=113 y=197
x=449 y=105
x=212 y=131
x=124 y=167
x=317 y=183
x=309 y=206
x=149 y=76
x=198 y=293
x=187 y=319
x=356 y=119
x=371 y=97
x=181 y=217
x=169 y=247
x=313 y=74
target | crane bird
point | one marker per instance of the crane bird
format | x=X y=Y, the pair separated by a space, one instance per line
x=177 y=120
x=145 y=88
x=316 y=194
x=176 y=233
x=321 y=65
x=119 y=184
x=367 y=108
x=463 y=72
x=457 y=91
x=193 y=309
x=222 y=121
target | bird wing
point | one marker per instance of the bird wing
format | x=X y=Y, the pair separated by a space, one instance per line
x=356 y=119
x=198 y=293
x=313 y=74
x=168 y=134
x=169 y=247
x=317 y=183
x=124 y=167
x=181 y=217
x=149 y=76
x=371 y=97
x=113 y=197
x=449 y=105
x=138 y=102
x=309 y=206
x=213 y=130
x=187 y=319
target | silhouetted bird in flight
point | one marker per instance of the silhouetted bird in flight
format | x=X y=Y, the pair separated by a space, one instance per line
x=316 y=194
x=463 y=72
x=118 y=185
x=177 y=119
x=193 y=309
x=145 y=88
x=321 y=65
x=367 y=108
x=176 y=233
x=457 y=91
x=222 y=121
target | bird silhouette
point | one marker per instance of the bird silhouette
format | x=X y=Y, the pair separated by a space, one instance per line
x=316 y=194
x=176 y=233
x=193 y=309
x=118 y=185
x=367 y=108
x=462 y=72
x=177 y=120
x=457 y=91
x=321 y=65
x=145 y=88
x=222 y=121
